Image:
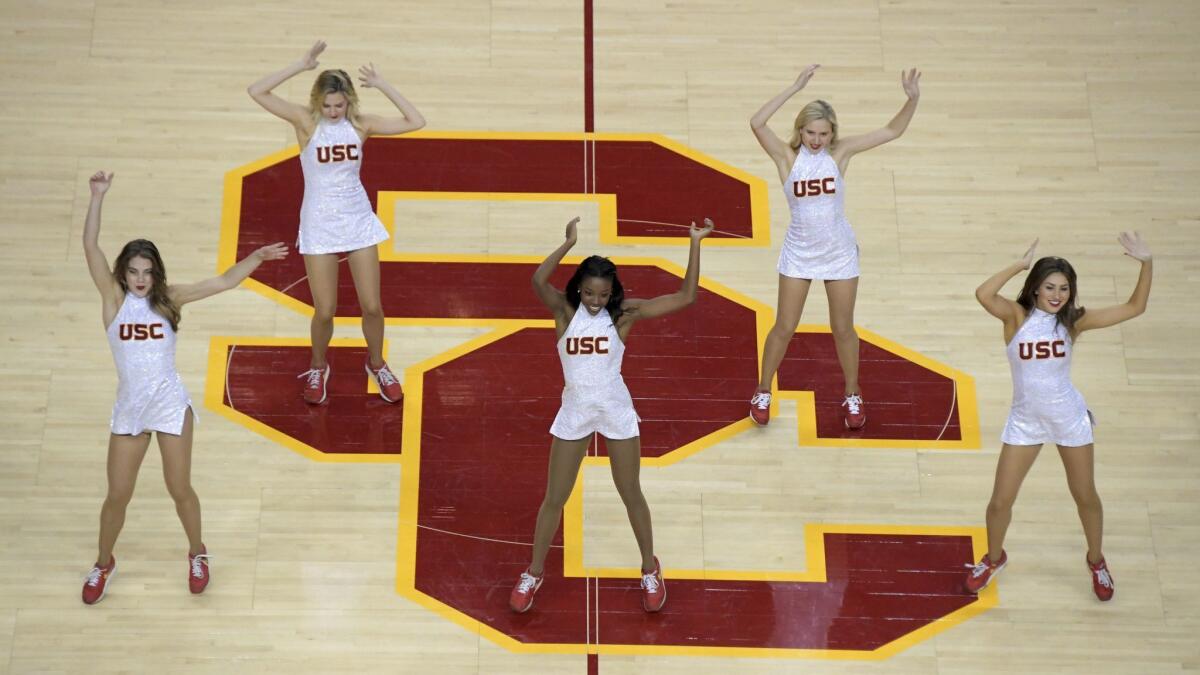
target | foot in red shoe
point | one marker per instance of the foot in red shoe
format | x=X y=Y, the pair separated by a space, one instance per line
x=856 y=413
x=97 y=581
x=760 y=408
x=983 y=572
x=654 y=589
x=198 y=570
x=314 y=384
x=389 y=386
x=521 y=598
x=1102 y=581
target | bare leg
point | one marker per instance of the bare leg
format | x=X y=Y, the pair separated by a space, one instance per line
x=842 y=295
x=1015 y=462
x=125 y=454
x=177 y=472
x=565 y=458
x=322 y=281
x=364 y=267
x=1080 y=464
x=625 y=460
x=792 y=294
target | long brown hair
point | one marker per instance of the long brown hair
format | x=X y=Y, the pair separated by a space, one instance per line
x=334 y=82
x=1042 y=269
x=160 y=301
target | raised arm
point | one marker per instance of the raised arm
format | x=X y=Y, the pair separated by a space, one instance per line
x=988 y=293
x=911 y=82
x=773 y=144
x=1136 y=248
x=260 y=91
x=550 y=296
x=102 y=276
x=637 y=309
x=185 y=293
x=378 y=124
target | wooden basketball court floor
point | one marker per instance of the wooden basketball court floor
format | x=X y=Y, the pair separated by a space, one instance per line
x=362 y=537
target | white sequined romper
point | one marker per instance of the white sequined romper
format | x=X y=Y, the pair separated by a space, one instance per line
x=336 y=215
x=1046 y=407
x=595 y=398
x=150 y=393
x=819 y=243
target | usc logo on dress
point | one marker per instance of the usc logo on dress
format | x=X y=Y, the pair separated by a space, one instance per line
x=141 y=331
x=587 y=345
x=814 y=186
x=337 y=153
x=1043 y=349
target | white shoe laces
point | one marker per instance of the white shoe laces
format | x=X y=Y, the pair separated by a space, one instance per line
x=761 y=400
x=527 y=582
x=197 y=571
x=314 y=376
x=93 y=577
x=978 y=568
x=384 y=376
x=853 y=404
x=650 y=581
x=1103 y=577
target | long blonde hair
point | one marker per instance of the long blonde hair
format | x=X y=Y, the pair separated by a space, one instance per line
x=817 y=110
x=334 y=82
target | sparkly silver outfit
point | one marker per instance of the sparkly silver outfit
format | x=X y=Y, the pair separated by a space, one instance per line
x=336 y=215
x=819 y=243
x=150 y=393
x=1046 y=407
x=595 y=398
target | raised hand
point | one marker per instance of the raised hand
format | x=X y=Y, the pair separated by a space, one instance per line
x=309 y=60
x=806 y=75
x=698 y=233
x=100 y=182
x=1135 y=246
x=911 y=81
x=572 y=235
x=369 y=77
x=276 y=251
x=1027 y=259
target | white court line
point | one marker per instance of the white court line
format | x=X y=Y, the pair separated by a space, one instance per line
x=953 y=402
x=655 y=222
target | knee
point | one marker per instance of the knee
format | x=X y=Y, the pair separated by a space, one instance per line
x=182 y=493
x=630 y=492
x=554 y=501
x=784 y=328
x=370 y=310
x=118 y=499
x=1087 y=499
x=999 y=506
x=843 y=330
x=324 y=314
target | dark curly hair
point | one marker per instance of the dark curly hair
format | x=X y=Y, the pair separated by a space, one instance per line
x=601 y=268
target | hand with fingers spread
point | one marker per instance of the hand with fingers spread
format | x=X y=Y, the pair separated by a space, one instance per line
x=100 y=182
x=276 y=251
x=369 y=77
x=1027 y=259
x=309 y=60
x=698 y=233
x=806 y=75
x=1135 y=246
x=911 y=81
x=572 y=234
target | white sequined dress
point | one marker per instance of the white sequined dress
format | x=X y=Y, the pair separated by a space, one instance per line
x=150 y=393
x=819 y=243
x=595 y=398
x=1046 y=407
x=336 y=215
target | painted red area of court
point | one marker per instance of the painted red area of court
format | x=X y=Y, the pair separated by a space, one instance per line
x=904 y=400
x=263 y=385
x=482 y=476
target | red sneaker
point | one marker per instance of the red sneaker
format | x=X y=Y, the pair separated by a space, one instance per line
x=521 y=598
x=389 y=386
x=1102 y=582
x=983 y=572
x=760 y=408
x=654 y=589
x=97 y=581
x=856 y=415
x=198 y=570
x=314 y=384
